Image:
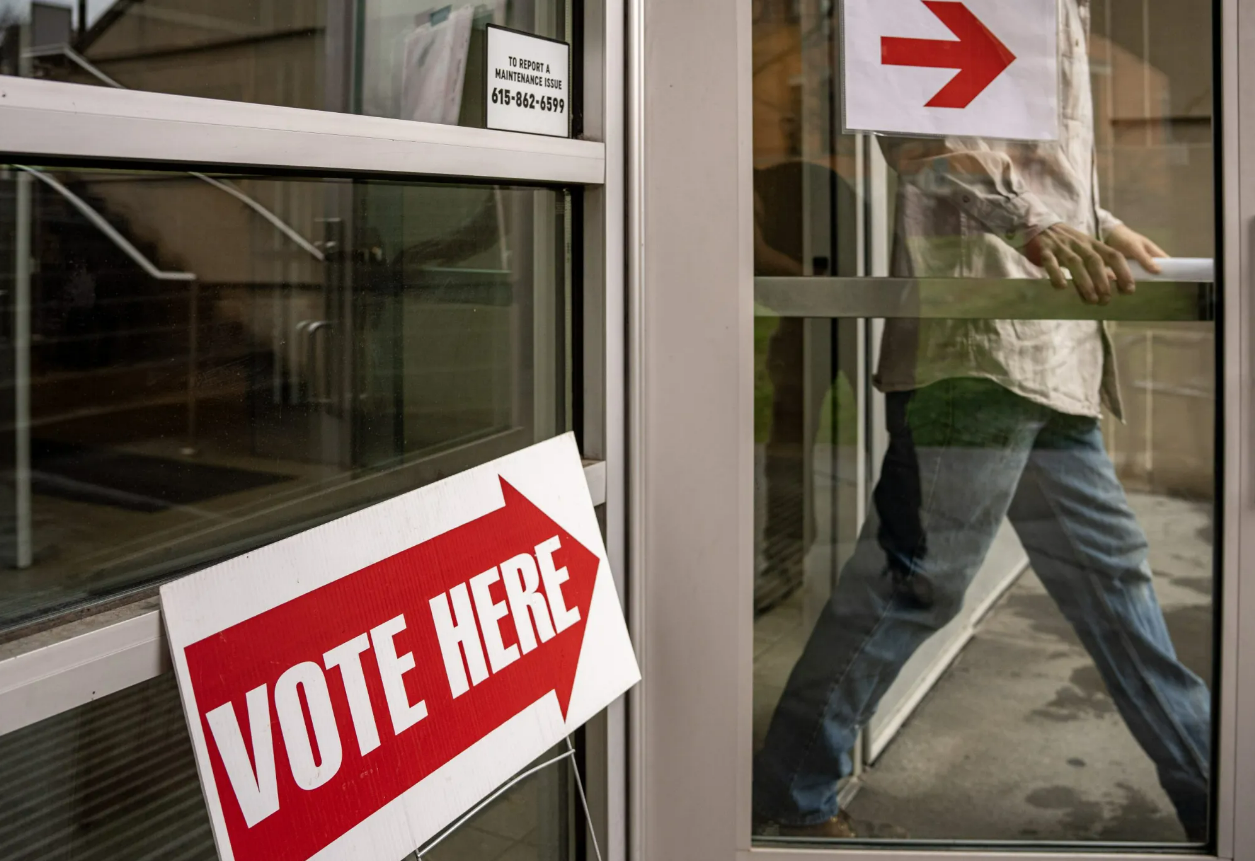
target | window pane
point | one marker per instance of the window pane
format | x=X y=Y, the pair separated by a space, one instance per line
x=985 y=555
x=420 y=61
x=197 y=365
x=115 y=780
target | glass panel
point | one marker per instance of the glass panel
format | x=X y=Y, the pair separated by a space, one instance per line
x=196 y=365
x=985 y=563
x=115 y=780
x=419 y=60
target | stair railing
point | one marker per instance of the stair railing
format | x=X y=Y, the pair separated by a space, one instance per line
x=100 y=223
x=127 y=248
x=275 y=221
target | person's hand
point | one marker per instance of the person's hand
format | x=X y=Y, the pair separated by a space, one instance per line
x=1135 y=246
x=1094 y=265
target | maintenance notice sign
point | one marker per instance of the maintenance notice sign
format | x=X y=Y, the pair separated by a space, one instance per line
x=528 y=83
x=354 y=689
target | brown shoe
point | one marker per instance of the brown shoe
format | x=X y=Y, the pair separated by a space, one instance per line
x=838 y=827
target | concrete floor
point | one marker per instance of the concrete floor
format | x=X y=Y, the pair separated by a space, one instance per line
x=1019 y=741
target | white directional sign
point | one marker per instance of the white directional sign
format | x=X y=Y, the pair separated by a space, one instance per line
x=982 y=68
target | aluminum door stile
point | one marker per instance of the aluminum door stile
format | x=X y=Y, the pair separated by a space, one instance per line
x=691 y=300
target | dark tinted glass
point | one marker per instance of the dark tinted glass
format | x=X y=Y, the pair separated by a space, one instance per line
x=197 y=365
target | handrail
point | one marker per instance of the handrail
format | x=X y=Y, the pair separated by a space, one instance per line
x=975 y=299
x=78 y=59
x=278 y=223
x=275 y=221
x=99 y=222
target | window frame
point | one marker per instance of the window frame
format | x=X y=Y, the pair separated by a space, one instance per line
x=59 y=120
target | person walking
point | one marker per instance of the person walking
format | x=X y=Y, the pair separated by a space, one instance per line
x=994 y=419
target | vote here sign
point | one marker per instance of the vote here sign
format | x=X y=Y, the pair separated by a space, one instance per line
x=982 y=68
x=353 y=689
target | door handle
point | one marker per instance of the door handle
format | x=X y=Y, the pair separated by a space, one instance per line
x=295 y=364
x=319 y=383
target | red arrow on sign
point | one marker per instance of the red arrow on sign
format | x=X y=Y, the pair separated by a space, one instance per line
x=443 y=643
x=978 y=54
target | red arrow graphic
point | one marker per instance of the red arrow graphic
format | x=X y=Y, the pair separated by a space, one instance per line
x=978 y=54
x=226 y=666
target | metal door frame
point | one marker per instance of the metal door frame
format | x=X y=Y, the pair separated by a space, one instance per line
x=690 y=337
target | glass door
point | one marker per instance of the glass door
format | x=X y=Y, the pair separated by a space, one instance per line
x=1023 y=577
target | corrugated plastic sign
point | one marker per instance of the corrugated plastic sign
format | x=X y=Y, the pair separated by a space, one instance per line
x=352 y=690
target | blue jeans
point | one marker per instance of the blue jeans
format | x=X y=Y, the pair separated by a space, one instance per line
x=963 y=454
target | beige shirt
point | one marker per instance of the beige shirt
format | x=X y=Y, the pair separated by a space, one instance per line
x=965 y=208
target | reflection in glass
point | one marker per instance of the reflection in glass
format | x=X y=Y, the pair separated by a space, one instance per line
x=983 y=590
x=115 y=780
x=206 y=364
x=408 y=60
